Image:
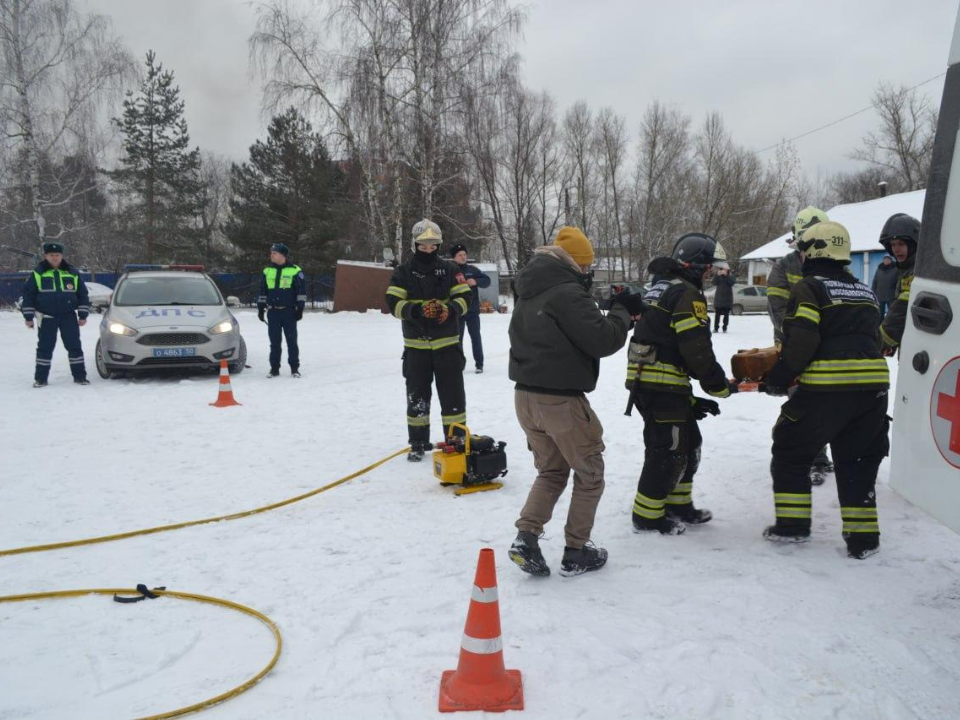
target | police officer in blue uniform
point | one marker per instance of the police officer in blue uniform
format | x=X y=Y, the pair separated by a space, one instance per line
x=56 y=293
x=283 y=294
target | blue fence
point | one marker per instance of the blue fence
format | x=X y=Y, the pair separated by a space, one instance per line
x=245 y=286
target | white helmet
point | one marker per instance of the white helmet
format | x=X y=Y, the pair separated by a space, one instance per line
x=426 y=232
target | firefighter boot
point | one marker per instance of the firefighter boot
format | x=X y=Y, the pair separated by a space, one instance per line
x=665 y=525
x=688 y=514
x=861 y=545
x=787 y=533
x=525 y=552
x=577 y=561
x=417 y=450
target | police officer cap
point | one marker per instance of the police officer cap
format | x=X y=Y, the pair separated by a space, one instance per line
x=280 y=248
x=52 y=247
x=457 y=248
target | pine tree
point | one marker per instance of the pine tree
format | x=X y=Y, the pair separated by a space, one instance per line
x=158 y=171
x=288 y=192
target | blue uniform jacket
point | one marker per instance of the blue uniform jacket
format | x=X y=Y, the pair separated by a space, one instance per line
x=470 y=272
x=55 y=292
x=294 y=296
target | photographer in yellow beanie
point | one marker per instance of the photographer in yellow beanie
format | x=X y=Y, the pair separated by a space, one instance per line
x=557 y=337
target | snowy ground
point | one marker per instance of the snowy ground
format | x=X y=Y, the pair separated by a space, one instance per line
x=370 y=582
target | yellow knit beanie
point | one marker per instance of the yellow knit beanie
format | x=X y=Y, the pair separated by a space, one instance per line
x=576 y=245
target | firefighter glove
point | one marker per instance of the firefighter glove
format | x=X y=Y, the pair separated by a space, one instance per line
x=260 y=313
x=702 y=407
x=299 y=314
x=436 y=310
x=770 y=389
x=632 y=302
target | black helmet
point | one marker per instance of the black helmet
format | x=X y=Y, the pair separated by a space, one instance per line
x=698 y=250
x=901 y=227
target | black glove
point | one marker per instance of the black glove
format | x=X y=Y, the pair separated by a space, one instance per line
x=702 y=407
x=733 y=386
x=260 y=313
x=416 y=311
x=631 y=301
x=299 y=314
x=771 y=389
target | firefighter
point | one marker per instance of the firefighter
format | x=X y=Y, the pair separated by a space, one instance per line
x=831 y=342
x=283 y=295
x=786 y=273
x=57 y=294
x=899 y=238
x=671 y=344
x=429 y=294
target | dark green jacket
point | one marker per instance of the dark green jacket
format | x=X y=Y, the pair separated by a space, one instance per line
x=557 y=332
x=895 y=321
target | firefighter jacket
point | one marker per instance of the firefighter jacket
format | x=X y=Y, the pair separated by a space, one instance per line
x=830 y=335
x=471 y=272
x=428 y=277
x=677 y=328
x=282 y=286
x=55 y=292
x=557 y=332
x=786 y=273
x=891 y=332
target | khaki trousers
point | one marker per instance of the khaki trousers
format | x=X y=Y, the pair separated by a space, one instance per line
x=563 y=433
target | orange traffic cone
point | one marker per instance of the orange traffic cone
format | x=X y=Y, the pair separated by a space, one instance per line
x=480 y=682
x=225 y=398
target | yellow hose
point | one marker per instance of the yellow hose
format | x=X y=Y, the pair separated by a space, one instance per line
x=183 y=596
x=191 y=523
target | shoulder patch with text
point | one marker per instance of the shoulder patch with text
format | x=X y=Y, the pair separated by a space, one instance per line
x=700 y=310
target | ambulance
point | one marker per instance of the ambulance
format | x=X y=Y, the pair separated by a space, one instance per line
x=925 y=456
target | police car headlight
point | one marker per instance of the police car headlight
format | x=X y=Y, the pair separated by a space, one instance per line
x=120 y=329
x=225 y=326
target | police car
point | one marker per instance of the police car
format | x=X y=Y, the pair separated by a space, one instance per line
x=164 y=317
x=925 y=458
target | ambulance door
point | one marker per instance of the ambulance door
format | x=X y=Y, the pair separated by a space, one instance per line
x=925 y=459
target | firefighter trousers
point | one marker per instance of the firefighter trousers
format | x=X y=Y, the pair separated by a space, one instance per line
x=855 y=425
x=672 y=440
x=69 y=330
x=420 y=369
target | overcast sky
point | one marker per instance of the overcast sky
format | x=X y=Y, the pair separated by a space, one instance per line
x=774 y=69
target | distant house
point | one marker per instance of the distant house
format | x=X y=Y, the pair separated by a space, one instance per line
x=864 y=220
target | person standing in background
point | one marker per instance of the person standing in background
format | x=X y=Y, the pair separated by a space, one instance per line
x=884 y=284
x=283 y=295
x=723 y=299
x=470 y=320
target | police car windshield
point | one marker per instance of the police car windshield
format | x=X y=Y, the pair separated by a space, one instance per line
x=167 y=291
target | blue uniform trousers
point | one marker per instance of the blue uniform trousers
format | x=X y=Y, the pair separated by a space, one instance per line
x=283 y=322
x=471 y=322
x=69 y=330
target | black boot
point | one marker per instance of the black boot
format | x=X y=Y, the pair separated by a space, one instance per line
x=417 y=450
x=688 y=514
x=665 y=525
x=787 y=533
x=581 y=560
x=274 y=372
x=861 y=545
x=525 y=552
x=81 y=381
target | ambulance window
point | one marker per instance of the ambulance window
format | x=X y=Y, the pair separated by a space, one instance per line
x=938 y=257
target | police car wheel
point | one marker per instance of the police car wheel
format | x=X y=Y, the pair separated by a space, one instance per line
x=102 y=370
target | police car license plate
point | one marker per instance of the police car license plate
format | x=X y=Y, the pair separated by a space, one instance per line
x=174 y=352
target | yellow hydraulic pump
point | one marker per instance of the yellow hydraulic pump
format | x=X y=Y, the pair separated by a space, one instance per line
x=470 y=461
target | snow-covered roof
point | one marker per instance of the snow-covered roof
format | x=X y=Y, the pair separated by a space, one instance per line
x=864 y=220
x=360 y=263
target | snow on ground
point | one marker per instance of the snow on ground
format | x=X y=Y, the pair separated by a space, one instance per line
x=370 y=582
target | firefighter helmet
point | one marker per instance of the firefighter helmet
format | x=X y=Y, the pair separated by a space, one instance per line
x=901 y=227
x=426 y=232
x=700 y=251
x=826 y=240
x=806 y=218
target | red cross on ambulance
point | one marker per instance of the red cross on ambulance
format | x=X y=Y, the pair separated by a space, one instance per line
x=945 y=412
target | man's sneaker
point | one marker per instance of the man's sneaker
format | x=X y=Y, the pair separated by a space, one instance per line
x=859 y=547
x=525 y=552
x=295 y=373
x=786 y=533
x=664 y=525
x=688 y=514
x=39 y=383
x=479 y=370
x=273 y=373
x=417 y=451
x=585 y=559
